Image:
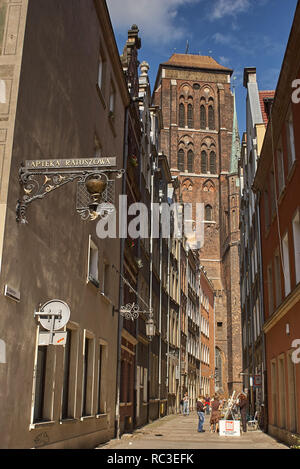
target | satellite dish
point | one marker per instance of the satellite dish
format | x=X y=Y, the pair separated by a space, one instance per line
x=56 y=308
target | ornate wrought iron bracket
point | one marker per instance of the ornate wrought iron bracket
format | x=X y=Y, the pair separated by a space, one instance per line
x=38 y=183
x=132 y=311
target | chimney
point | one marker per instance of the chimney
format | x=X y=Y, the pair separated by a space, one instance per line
x=249 y=75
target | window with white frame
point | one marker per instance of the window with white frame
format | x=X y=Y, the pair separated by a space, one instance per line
x=286 y=264
x=296 y=235
x=101 y=71
x=112 y=99
x=280 y=168
x=93 y=259
x=88 y=375
x=290 y=139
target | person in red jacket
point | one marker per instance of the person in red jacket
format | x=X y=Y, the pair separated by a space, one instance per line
x=201 y=413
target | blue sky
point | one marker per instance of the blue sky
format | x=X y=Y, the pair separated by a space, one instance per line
x=236 y=33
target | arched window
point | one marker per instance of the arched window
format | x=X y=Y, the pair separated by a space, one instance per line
x=208 y=213
x=204 y=162
x=213 y=163
x=211 y=118
x=202 y=117
x=190 y=161
x=190 y=116
x=181 y=115
x=180 y=162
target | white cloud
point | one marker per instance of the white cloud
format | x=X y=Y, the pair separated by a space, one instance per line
x=234 y=7
x=156 y=19
x=229 y=7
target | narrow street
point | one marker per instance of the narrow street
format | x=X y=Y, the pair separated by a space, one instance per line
x=178 y=432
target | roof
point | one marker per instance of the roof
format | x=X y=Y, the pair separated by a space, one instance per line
x=262 y=96
x=195 y=61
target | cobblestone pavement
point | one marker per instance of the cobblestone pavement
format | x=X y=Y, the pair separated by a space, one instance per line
x=180 y=432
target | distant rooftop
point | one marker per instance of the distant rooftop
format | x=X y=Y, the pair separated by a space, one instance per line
x=265 y=95
x=195 y=61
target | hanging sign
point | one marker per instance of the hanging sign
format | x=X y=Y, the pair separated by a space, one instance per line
x=72 y=163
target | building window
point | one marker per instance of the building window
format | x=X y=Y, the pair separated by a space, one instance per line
x=267 y=211
x=208 y=213
x=290 y=140
x=270 y=289
x=105 y=281
x=292 y=390
x=93 y=258
x=190 y=161
x=112 y=99
x=280 y=169
x=181 y=115
x=202 y=117
x=180 y=162
x=282 y=391
x=296 y=233
x=213 y=162
x=272 y=194
x=286 y=265
x=190 y=116
x=274 y=392
x=66 y=377
x=40 y=385
x=203 y=162
x=87 y=377
x=101 y=72
x=100 y=385
x=211 y=118
x=278 y=280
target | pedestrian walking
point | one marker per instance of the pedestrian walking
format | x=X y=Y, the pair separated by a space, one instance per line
x=181 y=406
x=215 y=414
x=186 y=409
x=201 y=413
x=243 y=405
x=207 y=405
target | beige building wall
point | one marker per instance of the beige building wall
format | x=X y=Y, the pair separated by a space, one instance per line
x=12 y=27
x=61 y=114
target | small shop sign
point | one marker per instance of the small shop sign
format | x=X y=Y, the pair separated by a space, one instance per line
x=230 y=428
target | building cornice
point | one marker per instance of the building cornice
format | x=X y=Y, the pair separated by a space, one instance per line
x=283 y=309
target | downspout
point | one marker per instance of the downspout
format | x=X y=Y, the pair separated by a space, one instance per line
x=168 y=324
x=160 y=306
x=121 y=294
x=150 y=283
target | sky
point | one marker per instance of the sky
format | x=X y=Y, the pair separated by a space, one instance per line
x=236 y=33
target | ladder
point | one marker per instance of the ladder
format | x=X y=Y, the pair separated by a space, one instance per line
x=230 y=405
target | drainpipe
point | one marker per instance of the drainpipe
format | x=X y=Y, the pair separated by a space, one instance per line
x=150 y=282
x=179 y=290
x=168 y=324
x=121 y=294
x=160 y=306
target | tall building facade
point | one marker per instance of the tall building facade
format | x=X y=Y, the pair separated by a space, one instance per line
x=65 y=394
x=201 y=140
x=276 y=184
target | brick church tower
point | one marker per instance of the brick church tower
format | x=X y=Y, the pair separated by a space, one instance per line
x=201 y=139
